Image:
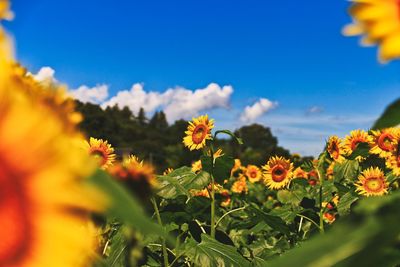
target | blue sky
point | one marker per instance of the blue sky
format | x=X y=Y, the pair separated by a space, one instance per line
x=289 y=52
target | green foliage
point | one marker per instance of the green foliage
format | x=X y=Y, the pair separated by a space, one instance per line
x=222 y=167
x=211 y=253
x=390 y=117
x=180 y=182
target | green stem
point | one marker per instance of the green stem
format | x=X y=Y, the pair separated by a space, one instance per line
x=229 y=212
x=321 y=212
x=309 y=219
x=212 y=193
x=164 y=245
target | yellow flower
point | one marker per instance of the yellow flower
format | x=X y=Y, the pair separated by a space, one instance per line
x=236 y=166
x=168 y=171
x=277 y=172
x=240 y=186
x=196 y=166
x=136 y=175
x=253 y=173
x=371 y=182
x=335 y=148
x=102 y=151
x=351 y=141
x=44 y=204
x=379 y=22
x=5 y=12
x=384 y=142
x=393 y=162
x=198 y=131
x=226 y=198
x=300 y=173
x=329 y=170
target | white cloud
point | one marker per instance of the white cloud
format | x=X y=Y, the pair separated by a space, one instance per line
x=94 y=95
x=314 y=110
x=176 y=102
x=45 y=74
x=262 y=106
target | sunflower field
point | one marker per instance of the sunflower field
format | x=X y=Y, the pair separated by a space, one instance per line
x=68 y=200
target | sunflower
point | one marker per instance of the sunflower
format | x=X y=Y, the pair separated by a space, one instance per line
x=384 y=142
x=277 y=172
x=237 y=166
x=198 y=131
x=136 y=175
x=372 y=182
x=335 y=148
x=330 y=170
x=240 y=186
x=196 y=166
x=299 y=173
x=102 y=151
x=253 y=173
x=226 y=197
x=353 y=140
x=379 y=22
x=44 y=206
x=329 y=217
x=393 y=161
x=168 y=171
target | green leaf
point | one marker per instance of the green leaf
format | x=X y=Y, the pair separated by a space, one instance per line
x=274 y=222
x=222 y=167
x=362 y=150
x=347 y=169
x=238 y=140
x=180 y=181
x=118 y=249
x=211 y=253
x=390 y=117
x=123 y=205
x=345 y=202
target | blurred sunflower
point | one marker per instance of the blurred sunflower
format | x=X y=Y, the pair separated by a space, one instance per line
x=237 y=166
x=329 y=217
x=253 y=173
x=330 y=170
x=277 y=172
x=196 y=166
x=168 y=171
x=384 y=142
x=102 y=151
x=335 y=148
x=372 y=182
x=299 y=173
x=136 y=175
x=379 y=22
x=226 y=198
x=355 y=138
x=45 y=204
x=198 y=131
x=240 y=186
x=393 y=161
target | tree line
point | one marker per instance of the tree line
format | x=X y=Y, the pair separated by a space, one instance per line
x=156 y=141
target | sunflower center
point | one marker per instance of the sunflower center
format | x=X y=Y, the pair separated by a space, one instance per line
x=199 y=133
x=253 y=174
x=373 y=184
x=385 y=141
x=15 y=227
x=278 y=173
x=335 y=150
x=100 y=155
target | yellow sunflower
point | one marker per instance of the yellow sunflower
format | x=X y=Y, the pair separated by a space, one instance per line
x=384 y=142
x=335 y=148
x=277 y=172
x=102 y=151
x=240 y=186
x=253 y=173
x=329 y=170
x=136 y=175
x=226 y=198
x=44 y=206
x=372 y=182
x=299 y=173
x=351 y=141
x=198 y=131
x=168 y=171
x=196 y=166
x=393 y=161
x=379 y=22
